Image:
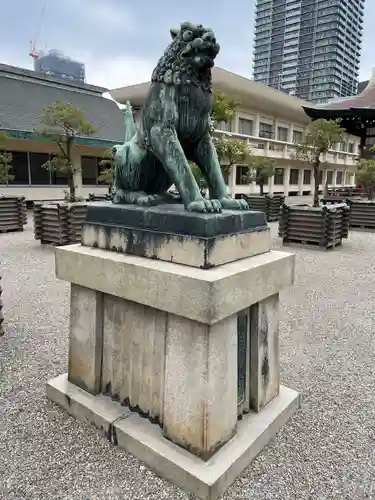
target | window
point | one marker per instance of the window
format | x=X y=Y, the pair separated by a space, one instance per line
x=297 y=136
x=348 y=178
x=293 y=176
x=282 y=134
x=351 y=147
x=265 y=130
x=39 y=174
x=307 y=177
x=20 y=168
x=339 y=177
x=279 y=176
x=245 y=126
x=226 y=126
x=343 y=146
x=329 y=177
x=90 y=170
x=59 y=178
x=242 y=175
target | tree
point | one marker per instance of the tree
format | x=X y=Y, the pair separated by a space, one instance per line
x=366 y=176
x=223 y=107
x=5 y=160
x=63 y=122
x=261 y=168
x=106 y=175
x=232 y=151
x=321 y=136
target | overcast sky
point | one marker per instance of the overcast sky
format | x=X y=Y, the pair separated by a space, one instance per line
x=121 y=40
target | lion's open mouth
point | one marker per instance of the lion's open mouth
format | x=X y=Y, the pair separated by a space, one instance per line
x=201 y=51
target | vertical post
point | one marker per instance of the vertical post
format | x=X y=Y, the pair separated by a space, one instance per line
x=286 y=180
x=85 y=338
x=324 y=178
x=257 y=125
x=271 y=183
x=300 y=181
x=264 y=352
x=290 y=134
x=77 y=175
x=334 y=178
x=200 y=398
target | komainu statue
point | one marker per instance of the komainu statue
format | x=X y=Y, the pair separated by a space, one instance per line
x=174 y=128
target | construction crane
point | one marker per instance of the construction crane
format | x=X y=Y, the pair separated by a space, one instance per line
x=32 y=50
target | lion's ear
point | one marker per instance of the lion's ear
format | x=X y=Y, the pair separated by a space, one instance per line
x=174 y=32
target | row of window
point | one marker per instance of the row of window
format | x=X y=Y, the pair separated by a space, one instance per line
x=28 y=169
x=246 y=127
x=242 y=176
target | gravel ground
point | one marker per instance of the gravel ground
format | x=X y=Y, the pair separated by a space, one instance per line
x=326 y=451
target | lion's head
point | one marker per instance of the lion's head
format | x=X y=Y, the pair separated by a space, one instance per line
x=189 y=57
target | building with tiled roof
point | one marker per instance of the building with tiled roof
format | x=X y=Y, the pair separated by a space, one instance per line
x=23 y=95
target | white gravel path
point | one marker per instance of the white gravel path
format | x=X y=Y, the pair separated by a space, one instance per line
x=325 y=452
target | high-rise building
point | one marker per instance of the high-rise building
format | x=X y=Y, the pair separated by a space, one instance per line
x=309 y=48
x=55 y=63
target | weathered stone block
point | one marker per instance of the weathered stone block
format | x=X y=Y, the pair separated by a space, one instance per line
x=171 y=234
x=134 y=355
x=207 y=480
x=264 y=352
x=205 y=296
x=85 y=338
x=200 y=380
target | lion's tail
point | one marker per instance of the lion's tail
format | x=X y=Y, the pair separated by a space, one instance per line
x=130 y=128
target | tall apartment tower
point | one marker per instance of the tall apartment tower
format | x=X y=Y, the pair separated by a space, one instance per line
x=309 y=48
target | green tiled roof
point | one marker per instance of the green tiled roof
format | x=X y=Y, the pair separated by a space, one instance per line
x=23 y=94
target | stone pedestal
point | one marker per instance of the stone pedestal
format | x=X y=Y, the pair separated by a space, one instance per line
x=174 y=338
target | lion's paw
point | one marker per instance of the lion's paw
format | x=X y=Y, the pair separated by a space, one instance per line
x=118 y=197
x=148 y=200
x=204 y=206
x=233 y=204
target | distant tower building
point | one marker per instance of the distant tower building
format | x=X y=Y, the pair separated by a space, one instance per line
x=54 y=63
x=309 y=48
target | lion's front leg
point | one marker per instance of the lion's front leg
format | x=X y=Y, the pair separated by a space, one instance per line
x=206 y=158
x=168 y=150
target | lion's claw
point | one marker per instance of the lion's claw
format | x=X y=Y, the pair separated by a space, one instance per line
x=233 y=204
x=204 y=206
x=149 y=200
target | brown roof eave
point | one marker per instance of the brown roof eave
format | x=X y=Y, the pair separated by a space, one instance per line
x=334 y=113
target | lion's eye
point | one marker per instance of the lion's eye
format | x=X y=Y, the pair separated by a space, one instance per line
x=187 y=36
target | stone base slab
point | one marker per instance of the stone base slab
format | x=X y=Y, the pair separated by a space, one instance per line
x=206 y=479
x=169 y=233
x=207 y=296
x=189 y=250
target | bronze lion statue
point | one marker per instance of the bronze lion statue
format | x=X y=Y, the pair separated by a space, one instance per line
x=175 y=128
